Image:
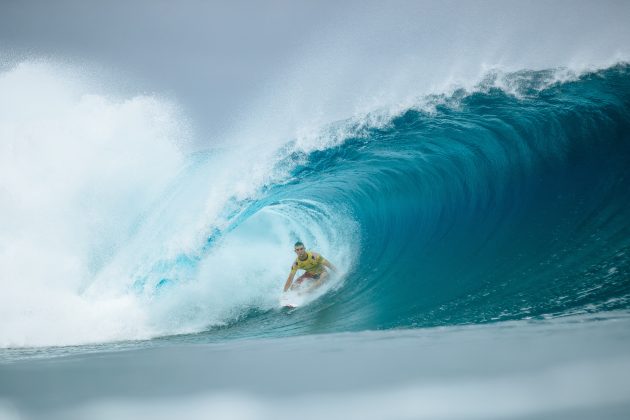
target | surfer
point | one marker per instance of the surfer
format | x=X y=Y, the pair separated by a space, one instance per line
x=313 y=264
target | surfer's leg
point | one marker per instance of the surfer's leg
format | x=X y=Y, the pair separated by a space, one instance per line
x=319 y=281
x=299 y=280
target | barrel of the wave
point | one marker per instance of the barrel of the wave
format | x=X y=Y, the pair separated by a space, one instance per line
x=493 y=207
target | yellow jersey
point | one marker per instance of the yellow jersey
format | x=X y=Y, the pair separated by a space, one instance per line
x=313 y=264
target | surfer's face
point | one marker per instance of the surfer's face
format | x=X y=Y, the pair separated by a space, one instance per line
x=300 y=251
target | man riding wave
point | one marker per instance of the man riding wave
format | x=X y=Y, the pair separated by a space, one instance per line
x=313 y=264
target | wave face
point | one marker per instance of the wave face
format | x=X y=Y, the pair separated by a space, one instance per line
x=511 y=201
x=475 y=207
x=493 y=206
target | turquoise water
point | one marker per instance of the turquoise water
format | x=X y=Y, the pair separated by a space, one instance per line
x=488 y=206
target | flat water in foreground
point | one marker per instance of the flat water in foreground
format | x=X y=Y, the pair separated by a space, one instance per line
x=575 y=367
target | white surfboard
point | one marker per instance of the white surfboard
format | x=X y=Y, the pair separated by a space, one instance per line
x=303 y=295
x=290 y=300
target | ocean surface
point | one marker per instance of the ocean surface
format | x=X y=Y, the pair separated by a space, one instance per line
x=481 y=235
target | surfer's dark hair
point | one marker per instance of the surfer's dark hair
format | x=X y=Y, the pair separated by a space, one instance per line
x=298 y=243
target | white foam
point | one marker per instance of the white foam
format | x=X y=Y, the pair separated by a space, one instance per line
x=248 y=269
x=99 y=204
x=77 y=169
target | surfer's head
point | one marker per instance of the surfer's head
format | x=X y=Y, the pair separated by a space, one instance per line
x=299 y=248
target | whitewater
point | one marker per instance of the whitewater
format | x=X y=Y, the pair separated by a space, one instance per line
x=477 y=209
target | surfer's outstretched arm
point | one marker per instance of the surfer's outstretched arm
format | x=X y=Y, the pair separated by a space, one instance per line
x=290 y=278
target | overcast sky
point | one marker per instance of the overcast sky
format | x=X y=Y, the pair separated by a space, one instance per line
x=208 y=54
x=224 y=59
